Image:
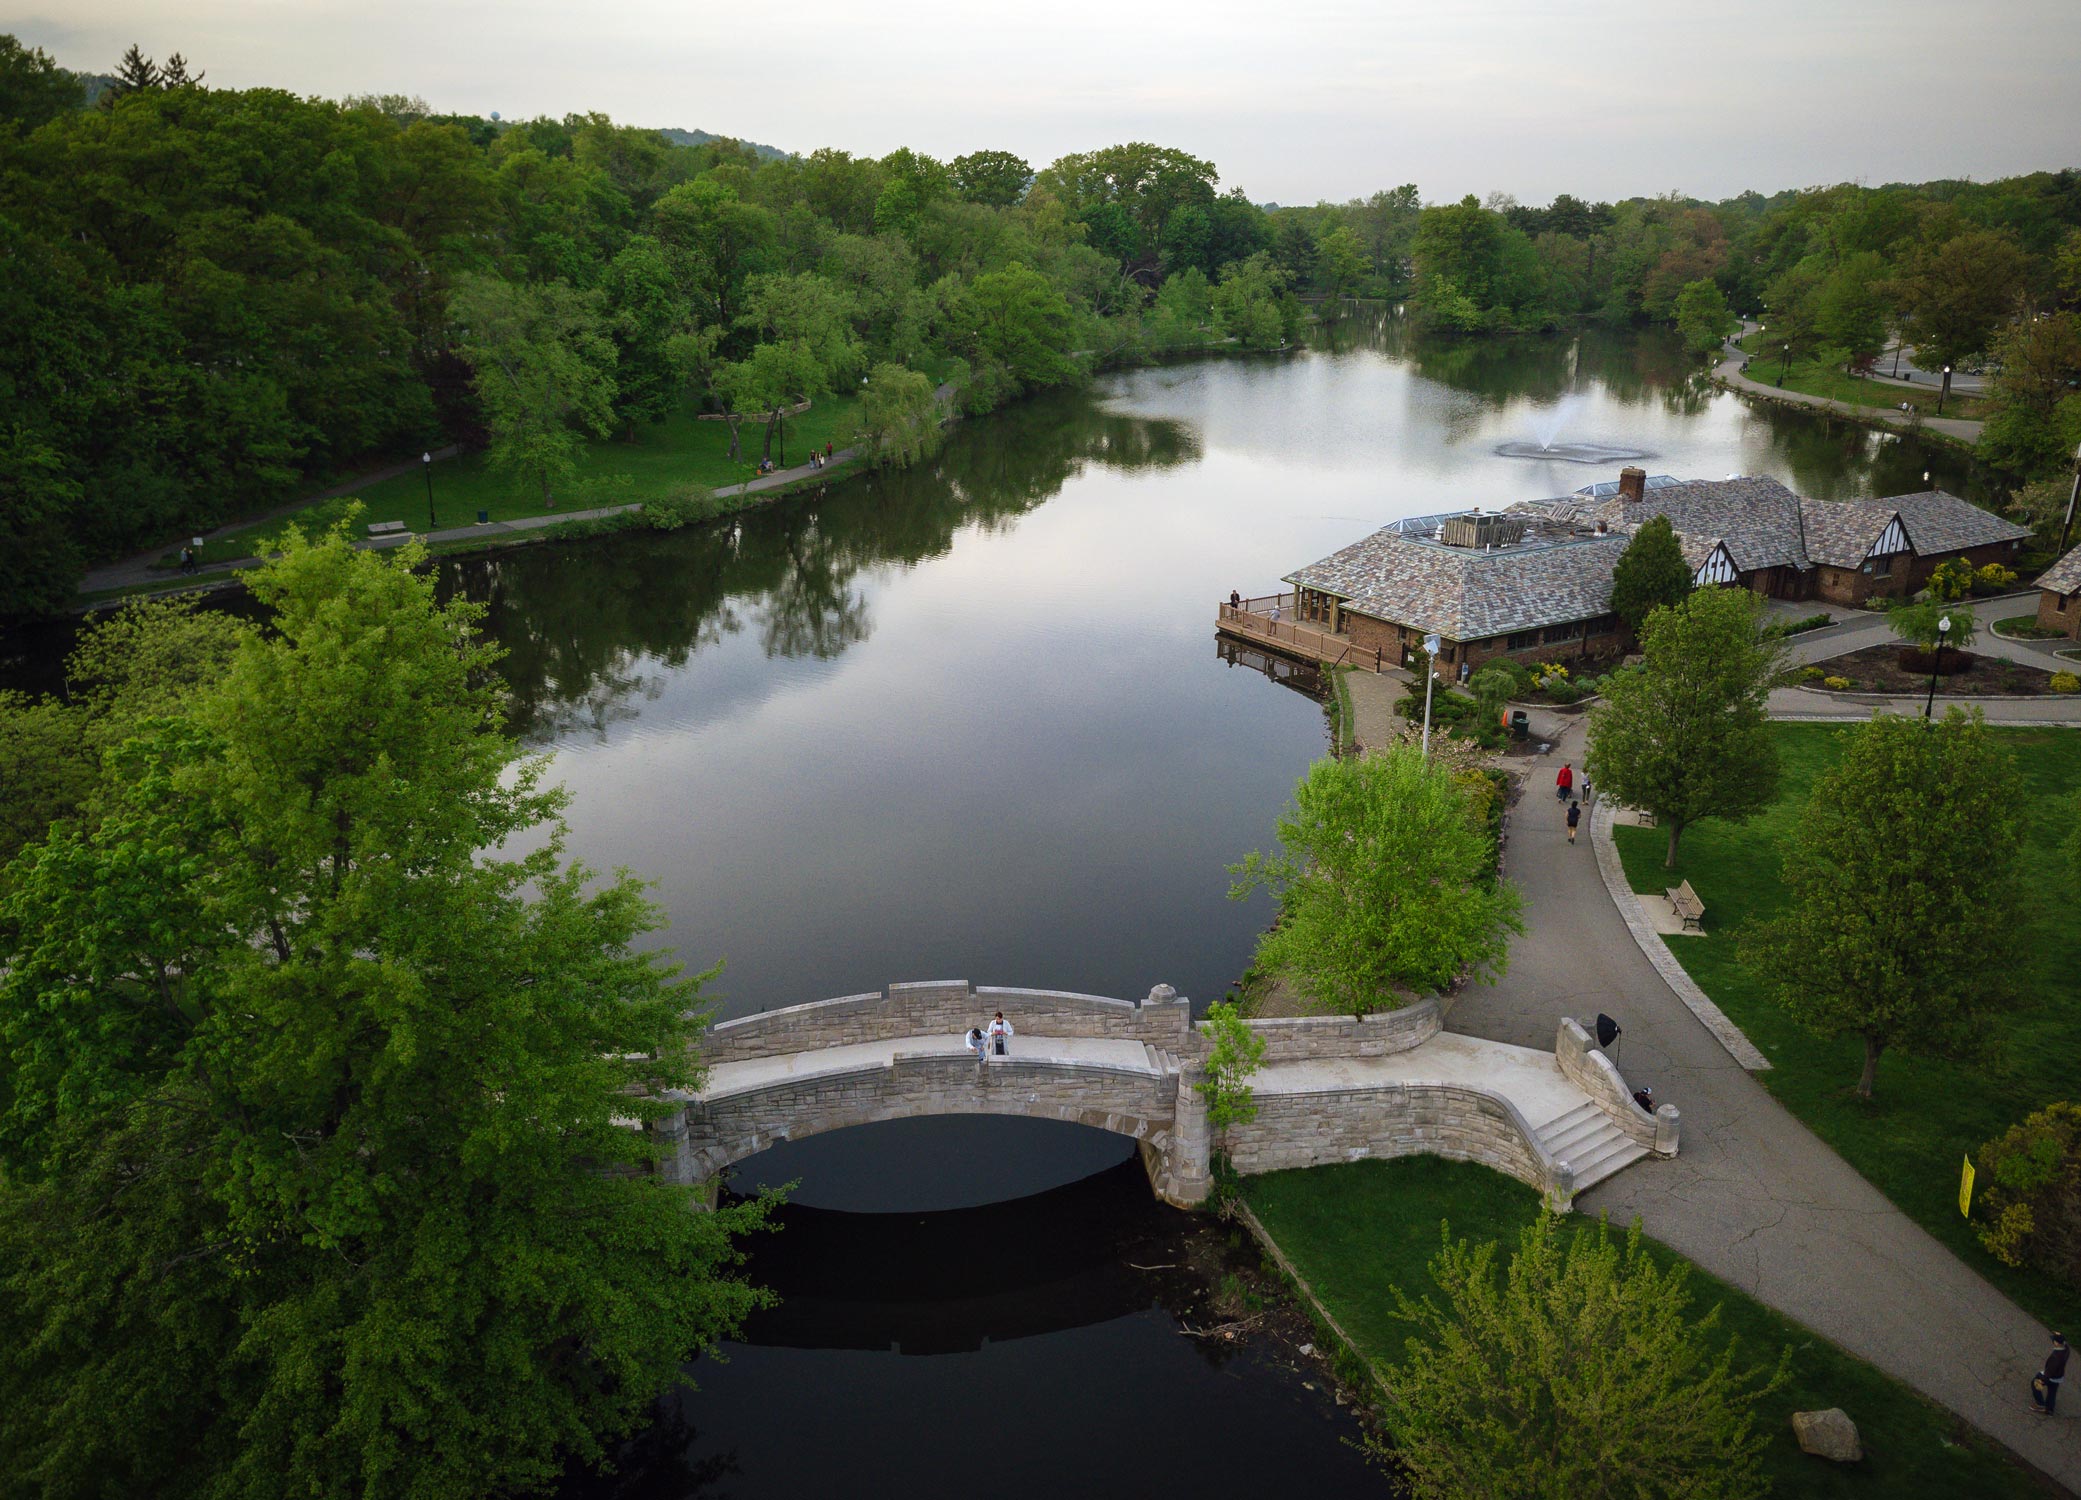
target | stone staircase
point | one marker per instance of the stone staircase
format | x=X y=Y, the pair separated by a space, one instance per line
x=1590 y=1141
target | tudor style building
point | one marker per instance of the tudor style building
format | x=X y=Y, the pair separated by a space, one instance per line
x=1534 y=581
x=2059 y=595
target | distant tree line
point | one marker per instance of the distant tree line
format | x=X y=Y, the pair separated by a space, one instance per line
x=220 y=297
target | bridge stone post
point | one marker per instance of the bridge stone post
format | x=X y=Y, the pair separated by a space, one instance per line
x=1668 y=1129
x=1190 y=1177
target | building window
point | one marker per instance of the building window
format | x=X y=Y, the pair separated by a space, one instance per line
x=1882 y=567
x=1523 y=640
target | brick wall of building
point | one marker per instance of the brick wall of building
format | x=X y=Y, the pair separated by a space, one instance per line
x=2059 y=612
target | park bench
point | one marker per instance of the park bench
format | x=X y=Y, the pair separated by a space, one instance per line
x=1685 y=903
x=387 y=528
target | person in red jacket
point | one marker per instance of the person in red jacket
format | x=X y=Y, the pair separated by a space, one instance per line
x=1564 y=781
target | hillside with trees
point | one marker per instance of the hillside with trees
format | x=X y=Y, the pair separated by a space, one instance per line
x=224 y=299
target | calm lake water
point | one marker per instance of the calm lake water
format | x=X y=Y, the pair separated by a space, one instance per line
x=971 y=722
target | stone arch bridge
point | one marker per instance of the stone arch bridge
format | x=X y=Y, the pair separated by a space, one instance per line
x=1331 y=1088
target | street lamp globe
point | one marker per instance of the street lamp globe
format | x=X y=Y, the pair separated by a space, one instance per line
x=1943 y=626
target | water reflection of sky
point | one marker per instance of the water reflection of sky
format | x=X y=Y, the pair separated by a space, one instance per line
x=969 y=722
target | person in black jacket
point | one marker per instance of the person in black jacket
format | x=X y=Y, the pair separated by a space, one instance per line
x=2049 y=1377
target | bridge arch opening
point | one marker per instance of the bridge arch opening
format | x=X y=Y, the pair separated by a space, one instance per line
x=932 y=1163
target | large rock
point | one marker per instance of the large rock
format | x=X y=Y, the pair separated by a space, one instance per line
x=1828 y=1434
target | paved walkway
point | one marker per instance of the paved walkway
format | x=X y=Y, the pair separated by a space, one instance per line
x=146 y=566
x=1374 y=695
x=1728 y=373
x=1755 y=1197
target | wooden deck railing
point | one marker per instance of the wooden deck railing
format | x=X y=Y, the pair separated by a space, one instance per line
x=1253 y=621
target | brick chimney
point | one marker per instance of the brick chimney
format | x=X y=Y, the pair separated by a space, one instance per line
x=1632 y=484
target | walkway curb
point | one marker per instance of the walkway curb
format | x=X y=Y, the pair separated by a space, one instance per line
x=1656 y=951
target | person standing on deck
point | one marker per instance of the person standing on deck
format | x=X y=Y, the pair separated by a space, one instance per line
x=1001 y=1035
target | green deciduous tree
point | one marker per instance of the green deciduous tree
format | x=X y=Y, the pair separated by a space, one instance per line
x=1684 y=735
x=996 y=179
x=1234 y=1054
x=1953 y=295
x=1340 y=263
x=1702 y=315
x=1253 y=306
x=2036 y=421
x=899 y=415
x=324 y=1158
x=1650 y=573
x=1852 y=308
x=1921 y=622
x=545 y=374
x=33 y=88
x=1900 y=923
x=2029 y=1202
x=1579 y=1374
x=1385 y=880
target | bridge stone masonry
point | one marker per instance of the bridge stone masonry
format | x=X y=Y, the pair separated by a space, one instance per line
x=1330 y=1089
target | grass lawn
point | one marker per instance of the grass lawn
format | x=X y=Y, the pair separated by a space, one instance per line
x=2024 y=628
x=1355 y=1231
x=1926 y=1113
x=674 y=457
x=1822 y=374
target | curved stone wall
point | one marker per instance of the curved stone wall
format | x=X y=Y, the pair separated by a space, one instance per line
x=1308 y=1038
x=949 y=1008
x=1321 y=1127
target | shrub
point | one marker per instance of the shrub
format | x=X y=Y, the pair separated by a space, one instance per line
x=1951 y=580
x=1564 y=692
x=2031 y=1193
x=1812 y=674
x=2065 y=682
x=1795 y=627
x=1835 y=684
x=1993 y=578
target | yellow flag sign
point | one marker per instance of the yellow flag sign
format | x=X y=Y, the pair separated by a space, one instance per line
x=1965 y=1190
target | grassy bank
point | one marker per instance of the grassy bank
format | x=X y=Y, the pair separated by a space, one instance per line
x=1357 y=1231
x=680 y=456
x=1822 y=374
x=1927 y=1113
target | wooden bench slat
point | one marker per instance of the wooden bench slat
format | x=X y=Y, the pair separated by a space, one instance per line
x=1685 y=903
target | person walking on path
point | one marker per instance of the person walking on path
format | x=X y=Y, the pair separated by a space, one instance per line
x=1574 y=817
x=1565 y=781
x=981 y=1047
x=1001 y=1036
x=2044 y=1391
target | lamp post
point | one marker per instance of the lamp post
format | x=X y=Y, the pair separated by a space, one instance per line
x=1897 y=342
x=1431 y=643
x=426 y=467
x=1943 y=628
x=1784 y=364
x=1943 y=391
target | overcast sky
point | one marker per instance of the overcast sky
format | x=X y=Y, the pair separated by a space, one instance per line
x=1294 y=101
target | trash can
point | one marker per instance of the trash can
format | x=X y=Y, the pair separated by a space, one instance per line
x=1520 y=724
x=483 y=518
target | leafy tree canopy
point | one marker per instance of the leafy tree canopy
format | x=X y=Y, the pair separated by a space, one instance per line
x=1650 y=573
x=322 y=1127
x=1685 y=734
x=1900 y=928
x=1386 y=882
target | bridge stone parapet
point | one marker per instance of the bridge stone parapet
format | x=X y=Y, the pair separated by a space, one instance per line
x=1308 y=1038
x=1589 y=1069
x=949 y=1008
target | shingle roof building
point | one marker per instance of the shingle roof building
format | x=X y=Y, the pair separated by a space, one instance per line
x=1554 y=564
x=1405 y=574
x=2064 y=576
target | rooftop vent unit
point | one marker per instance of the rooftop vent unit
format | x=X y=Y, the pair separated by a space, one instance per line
x=1478 y=530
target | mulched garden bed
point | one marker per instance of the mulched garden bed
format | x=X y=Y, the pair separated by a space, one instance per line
x=1878 y=669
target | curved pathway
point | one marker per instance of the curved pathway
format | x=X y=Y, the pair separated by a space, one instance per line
x=1755 y=1198
x=1728 y=373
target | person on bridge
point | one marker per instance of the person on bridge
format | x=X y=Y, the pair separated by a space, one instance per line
x=1001 y=1036
x=981 y=1047
x=1565 y=781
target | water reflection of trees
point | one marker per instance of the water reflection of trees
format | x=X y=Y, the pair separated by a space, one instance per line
x=592 y=629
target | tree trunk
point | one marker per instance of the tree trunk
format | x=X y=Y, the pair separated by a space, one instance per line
x=767 y=451
x=732 y=419
x=1872 y=1048
x=1676 y=831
